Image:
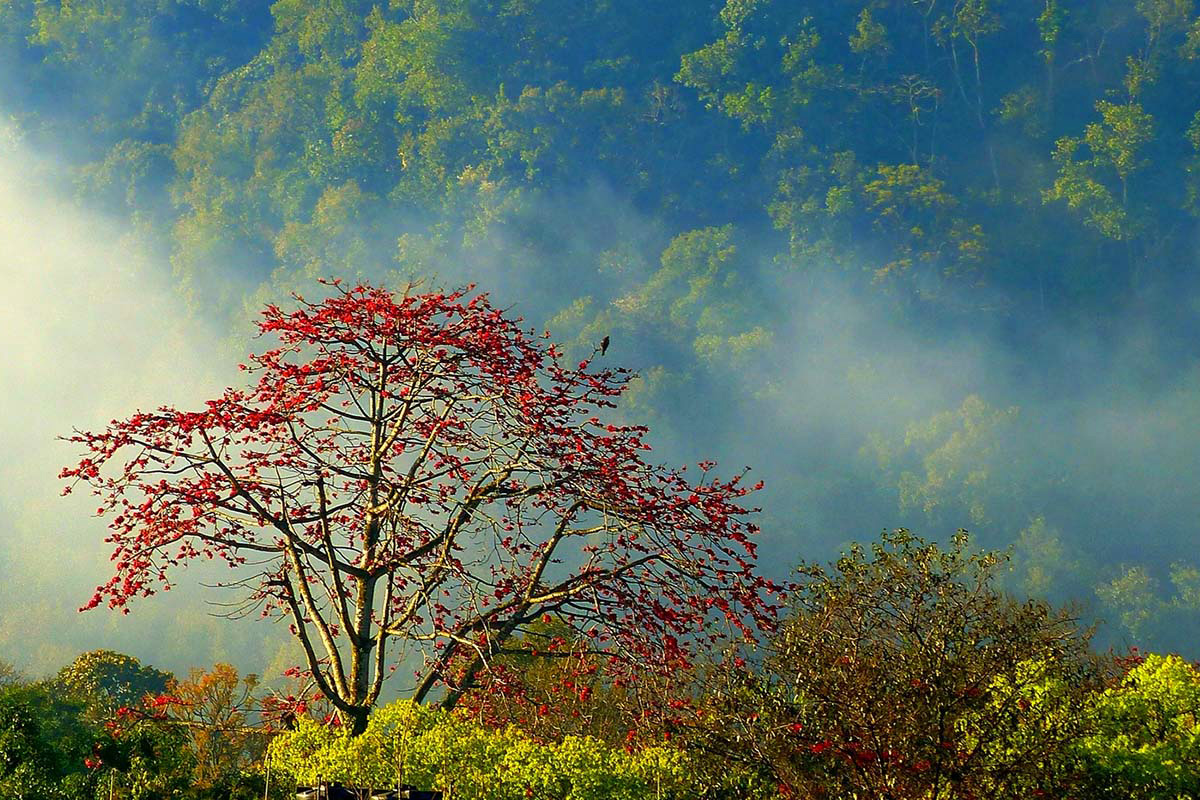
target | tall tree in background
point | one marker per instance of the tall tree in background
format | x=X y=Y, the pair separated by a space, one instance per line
x=105 y=681
x=417 y=472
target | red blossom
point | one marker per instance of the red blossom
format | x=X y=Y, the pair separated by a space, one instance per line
x=419 y=468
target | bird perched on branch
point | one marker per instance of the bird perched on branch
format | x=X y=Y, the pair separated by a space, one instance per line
x=604 y=345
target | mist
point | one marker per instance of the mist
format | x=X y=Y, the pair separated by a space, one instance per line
x=1070 y=447
x=93 y=330
x=1044 y=395
x=1087 y=444
x=1090 y=447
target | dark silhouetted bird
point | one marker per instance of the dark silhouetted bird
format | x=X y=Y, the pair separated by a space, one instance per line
x=604 y=345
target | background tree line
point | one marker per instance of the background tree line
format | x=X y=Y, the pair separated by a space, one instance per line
x=98 y=727
x=971 y=154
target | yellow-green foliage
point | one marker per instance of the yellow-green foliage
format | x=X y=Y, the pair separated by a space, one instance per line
x=1147 y=742
x=432 y=749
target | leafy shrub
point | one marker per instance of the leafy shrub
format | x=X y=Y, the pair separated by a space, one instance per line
x=1146 y=742
x=42 y=746
x=408 y=743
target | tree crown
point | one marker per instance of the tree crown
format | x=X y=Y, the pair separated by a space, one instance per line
x=418 y=468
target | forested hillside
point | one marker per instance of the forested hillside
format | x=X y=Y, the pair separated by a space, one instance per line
x=920 y=262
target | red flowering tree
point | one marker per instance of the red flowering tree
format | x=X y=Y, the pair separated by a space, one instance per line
x=419 y=473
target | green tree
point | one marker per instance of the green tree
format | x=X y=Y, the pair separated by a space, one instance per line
x=44 y=740
x=105 y=681
x=961 y=464
x=1147 y=745
x=1087 y=165
x=1150 y=609
x=9 y=675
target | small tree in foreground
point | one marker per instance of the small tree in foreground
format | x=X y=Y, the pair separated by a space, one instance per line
x=903 y=672
x=417 y=474
x=211 y=706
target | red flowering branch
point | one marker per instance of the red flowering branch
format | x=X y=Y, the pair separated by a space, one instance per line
x=419 y=472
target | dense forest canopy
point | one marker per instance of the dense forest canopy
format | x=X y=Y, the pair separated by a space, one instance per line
x=940 y=252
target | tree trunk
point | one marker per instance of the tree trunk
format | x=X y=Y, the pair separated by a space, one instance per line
x=356 y=720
